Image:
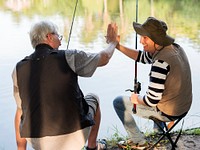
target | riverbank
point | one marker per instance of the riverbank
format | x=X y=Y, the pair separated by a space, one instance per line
x=189 y=140
x=186 y=142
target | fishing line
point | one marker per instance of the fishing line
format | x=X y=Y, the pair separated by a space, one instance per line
x=70 y=32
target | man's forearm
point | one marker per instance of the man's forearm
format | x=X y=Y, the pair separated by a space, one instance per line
x=131 y=53
x=110 y=49
x=106 y=54
x=21 y=142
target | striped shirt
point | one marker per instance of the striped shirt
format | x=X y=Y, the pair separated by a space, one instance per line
x=157 y=77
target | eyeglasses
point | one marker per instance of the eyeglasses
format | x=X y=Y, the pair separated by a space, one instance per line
x=59 y=36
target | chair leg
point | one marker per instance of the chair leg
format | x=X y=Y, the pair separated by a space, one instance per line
x=170 y=140
x=179 y=134
x=156 y=142
x=167 y=133
x=177 y=138
x=161 y=128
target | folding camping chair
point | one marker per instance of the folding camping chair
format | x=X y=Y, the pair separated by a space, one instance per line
x=166 y=131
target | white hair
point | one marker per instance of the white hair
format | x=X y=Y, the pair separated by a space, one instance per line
x=39 y=31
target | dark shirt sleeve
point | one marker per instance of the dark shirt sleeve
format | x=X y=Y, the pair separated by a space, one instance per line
x=144 y=57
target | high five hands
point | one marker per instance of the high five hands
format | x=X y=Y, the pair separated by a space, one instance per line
x=112 y=33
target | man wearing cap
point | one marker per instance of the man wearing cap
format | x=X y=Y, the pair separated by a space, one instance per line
x=169 y=93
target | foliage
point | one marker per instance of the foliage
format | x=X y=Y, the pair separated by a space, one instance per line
x=193 y=131
x=182 y=16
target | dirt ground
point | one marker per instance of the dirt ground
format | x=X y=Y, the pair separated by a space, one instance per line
x=185 y=142
x=189 y=142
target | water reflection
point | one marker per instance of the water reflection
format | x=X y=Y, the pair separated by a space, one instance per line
x=88 y=32
x=181 y=16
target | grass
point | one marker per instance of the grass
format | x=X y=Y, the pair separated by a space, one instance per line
x=193 y=131
x=152 y=137
x=115 y=138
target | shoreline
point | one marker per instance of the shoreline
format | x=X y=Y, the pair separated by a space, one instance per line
x=189 y=140
x=185 y=142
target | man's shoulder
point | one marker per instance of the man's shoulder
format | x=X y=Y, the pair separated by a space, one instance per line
x=26 y=58
x=73 y=51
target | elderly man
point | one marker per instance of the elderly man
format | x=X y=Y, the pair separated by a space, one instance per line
x=52 y=112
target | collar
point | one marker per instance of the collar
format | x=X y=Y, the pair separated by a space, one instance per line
x=41 y=51
x=43 y=46
x=158 y=51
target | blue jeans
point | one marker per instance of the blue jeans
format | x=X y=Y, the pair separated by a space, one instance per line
x=123 y=108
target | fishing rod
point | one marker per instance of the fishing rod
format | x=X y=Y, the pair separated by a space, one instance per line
x=137 y=85
x=70 y=32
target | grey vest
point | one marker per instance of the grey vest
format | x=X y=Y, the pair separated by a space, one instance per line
x=52 y=102
x=177 y=96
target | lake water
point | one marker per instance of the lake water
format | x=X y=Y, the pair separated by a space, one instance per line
x=88 y=34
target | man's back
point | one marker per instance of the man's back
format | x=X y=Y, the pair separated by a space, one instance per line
x=177 y=96
x=50 y=95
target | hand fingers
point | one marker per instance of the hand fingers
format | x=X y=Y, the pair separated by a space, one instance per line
x=112 y=31
x=109 y=33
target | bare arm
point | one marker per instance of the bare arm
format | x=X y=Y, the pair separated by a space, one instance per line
x=21 y=142
x=111 y=37
x=131 y=53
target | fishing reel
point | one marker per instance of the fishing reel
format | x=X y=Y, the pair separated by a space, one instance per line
x=137 y=88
